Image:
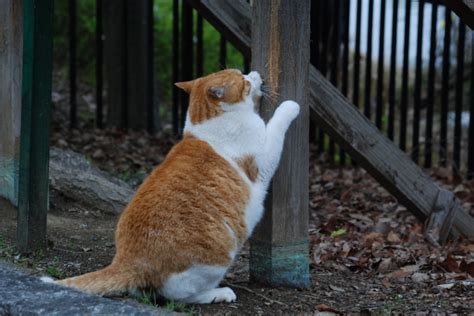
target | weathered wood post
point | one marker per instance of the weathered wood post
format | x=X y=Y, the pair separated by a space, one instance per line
x=11 y=30
x=35 y=119
x=280 y=52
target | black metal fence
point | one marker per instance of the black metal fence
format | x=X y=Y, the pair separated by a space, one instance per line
x=417 y=88
x=408 y=65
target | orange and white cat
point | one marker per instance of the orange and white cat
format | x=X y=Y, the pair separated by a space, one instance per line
x=189 y=218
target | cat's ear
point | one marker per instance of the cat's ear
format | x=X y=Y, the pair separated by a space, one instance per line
x=185 y=85
x=217 y=92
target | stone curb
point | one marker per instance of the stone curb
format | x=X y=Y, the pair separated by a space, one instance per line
x=21 y=294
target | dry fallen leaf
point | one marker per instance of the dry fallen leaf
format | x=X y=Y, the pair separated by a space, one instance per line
x=393 y=237
x=420 y=277
x=450 y=265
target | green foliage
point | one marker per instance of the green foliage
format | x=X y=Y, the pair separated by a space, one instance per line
x=2 y=243
x=338 y=232
x=147 y=298
x=54 y=270
x=85 y=36
x=174 y=306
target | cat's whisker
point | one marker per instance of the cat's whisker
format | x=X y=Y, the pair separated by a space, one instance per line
x=268 y=94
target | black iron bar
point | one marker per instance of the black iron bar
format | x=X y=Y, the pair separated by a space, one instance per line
x=470 y=148
x=368 y=62
x=405 y=78
x=72 y=64
x=345 y=63
x=325 y=19
x=443 y=148
x=187 y=55
x=151 y=67
x=356 y=83
x=393 y=73
x=314 y=54
x=99 y=120
x=223 y=53
x=459 y=98
x=417 y=102
x=175 y=61
x=199 y=47
x=124 y=114
x=380 y=67
x=430 y=100
x=334 y=61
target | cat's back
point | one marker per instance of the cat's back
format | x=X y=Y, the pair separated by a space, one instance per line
x=193 y=202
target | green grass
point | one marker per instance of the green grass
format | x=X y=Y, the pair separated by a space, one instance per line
x=3 y=244
x=149 y=298
x=54 y=269
x=174 y=306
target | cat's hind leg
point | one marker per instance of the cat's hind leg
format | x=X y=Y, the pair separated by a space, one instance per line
x=198 y=284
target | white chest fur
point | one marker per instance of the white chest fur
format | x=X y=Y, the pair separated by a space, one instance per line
x=234 y=135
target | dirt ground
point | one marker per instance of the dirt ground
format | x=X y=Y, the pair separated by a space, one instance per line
x=367 y=252
x=350 y=273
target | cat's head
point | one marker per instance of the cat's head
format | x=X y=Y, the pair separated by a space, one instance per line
x=224 y=91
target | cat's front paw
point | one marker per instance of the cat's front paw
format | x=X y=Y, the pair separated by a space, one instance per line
x=225 y=294
x=290 y=109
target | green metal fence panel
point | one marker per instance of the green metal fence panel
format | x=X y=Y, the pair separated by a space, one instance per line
x=35 y=121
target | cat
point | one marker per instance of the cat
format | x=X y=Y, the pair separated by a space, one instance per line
x=187 y=221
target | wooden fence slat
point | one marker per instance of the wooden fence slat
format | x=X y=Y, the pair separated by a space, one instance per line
x=35 y=119
x=380 y=157
x=391 y=167
x=279 y=246
x=393 y=74
x=465 y=10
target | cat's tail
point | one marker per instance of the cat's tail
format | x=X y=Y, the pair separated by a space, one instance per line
x=109 y=281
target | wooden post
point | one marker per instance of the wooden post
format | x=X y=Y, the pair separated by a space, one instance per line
x=11 y=28
x=349 y=128
x=280 y=52
x=35 y=119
